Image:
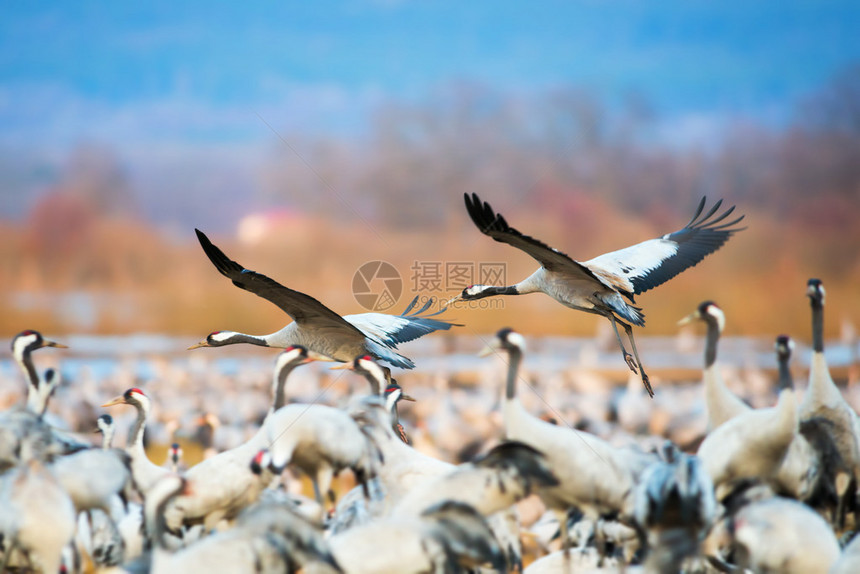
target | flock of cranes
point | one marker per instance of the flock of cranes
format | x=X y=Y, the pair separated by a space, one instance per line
x=772 y=489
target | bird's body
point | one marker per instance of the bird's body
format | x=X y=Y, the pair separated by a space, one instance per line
x=493 y=482
x=320 y=441
x=782 y=535
x=24 y=433
x=675 y=505
x=752 y=445
x=404 y=468
x=605 y=285
x=318 y=328
x=36 y=515
x=93 y=477
x=448 y=537
x=235 y=550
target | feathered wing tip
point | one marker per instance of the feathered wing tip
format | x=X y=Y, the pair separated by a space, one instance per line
x=482 y=214
x=465 y=535
x=707 y=222
x=222 y=263
x=383 y=353
x=529 y=462
x=301 y=540
x=419 y=316
x=703 y=235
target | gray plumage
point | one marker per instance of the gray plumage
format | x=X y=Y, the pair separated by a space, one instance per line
x=600 y=285
x=317 y=327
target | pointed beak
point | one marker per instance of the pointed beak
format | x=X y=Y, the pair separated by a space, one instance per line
x=120 y=400
x=97 y=430
x=202 y=343
x=54 y=344
x=488 y=350
x=405 y=397
x=694 y=316
x=343 y=366
x=451 y=301
x=314 y=356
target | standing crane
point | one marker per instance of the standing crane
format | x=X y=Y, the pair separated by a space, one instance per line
x=144 y=471
x=600 y=285
x=721 y=403
x=823 y=400
x=23 y=345
x=592 y=475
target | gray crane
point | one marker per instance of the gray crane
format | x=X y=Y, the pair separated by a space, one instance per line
x=824 y=400
x=675 y=507
x=592 y=474
x=721 y=403
x=144 y=471
x=317 y=327
x=447 y=537
x=600 y=285
x=23 y=345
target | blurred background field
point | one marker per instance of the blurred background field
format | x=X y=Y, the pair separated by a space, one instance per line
x=305 y=146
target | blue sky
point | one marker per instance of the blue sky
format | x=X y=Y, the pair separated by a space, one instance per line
x=58 y=59
x=175 y=75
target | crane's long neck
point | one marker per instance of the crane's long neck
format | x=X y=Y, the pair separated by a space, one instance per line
x=25 y=361
x=515 y=357
x=817 y=326
x=135 y=435
x=154 y=520
x=107 y=438
x=260 y=341
x=280 y=384
x=785 y=379
x=492 y=290
x=712 y=339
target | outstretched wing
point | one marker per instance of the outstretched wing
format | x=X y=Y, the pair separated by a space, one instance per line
x=392 y=330
x=651 y=263
x=494 y=225
x=304 y=309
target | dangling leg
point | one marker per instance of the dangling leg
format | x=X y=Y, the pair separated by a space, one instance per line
x=627 y=357
x=561 y=515
x=645 y=381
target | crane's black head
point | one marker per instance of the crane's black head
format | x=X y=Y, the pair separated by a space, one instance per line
x=784 y=346
x=394 y=394
x=29 y=340
x=709 y=312
x=474 y=292
x=132 y=396
x=507 y=340
x=52 y=380
x=815 y=291
x=292 y=356
x=260 y=461
x=104 y=423
x=366 y=365
x=217 y=339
